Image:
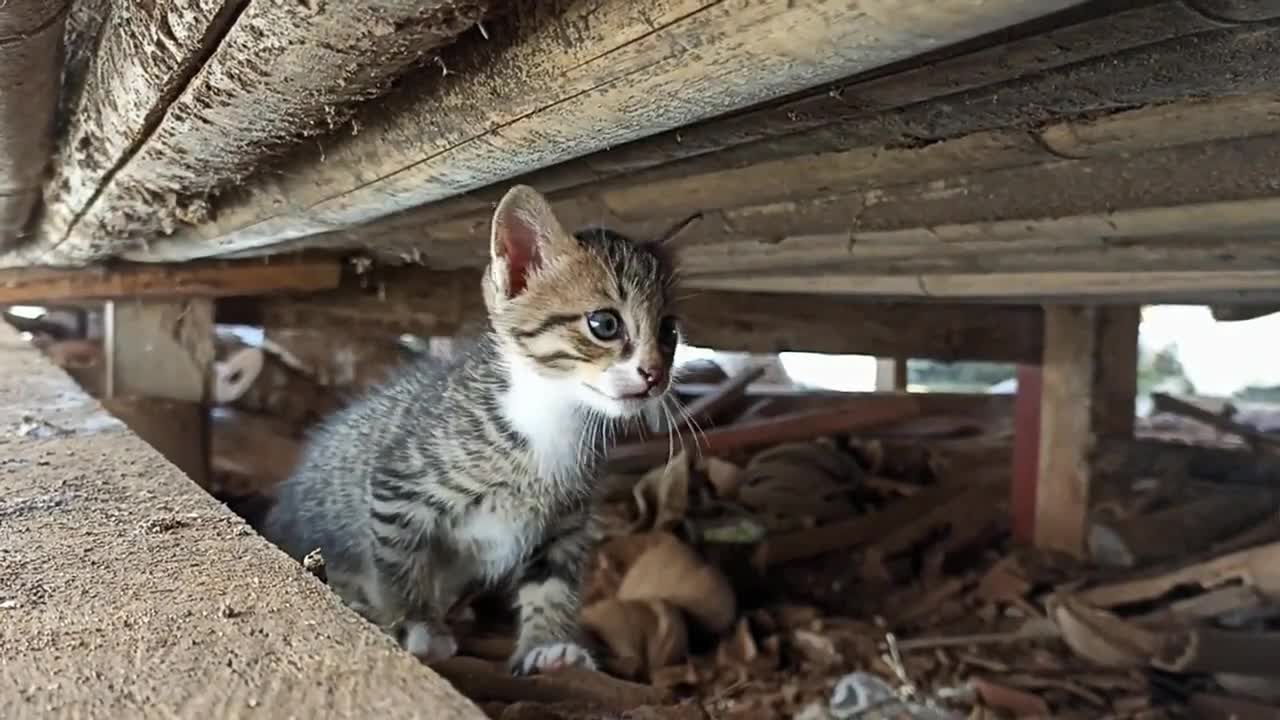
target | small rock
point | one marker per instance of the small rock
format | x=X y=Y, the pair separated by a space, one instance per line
x=10 y=604
x=314 y=563
x=227 y=612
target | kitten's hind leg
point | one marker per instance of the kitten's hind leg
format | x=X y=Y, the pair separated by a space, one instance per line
x=547 y=597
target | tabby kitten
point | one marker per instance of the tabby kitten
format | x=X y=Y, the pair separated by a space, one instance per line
x=483 y=474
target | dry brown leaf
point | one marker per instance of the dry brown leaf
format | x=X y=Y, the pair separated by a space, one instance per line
x=641 y=635
x=673 y=572
x=662 y=495
x=723 y=476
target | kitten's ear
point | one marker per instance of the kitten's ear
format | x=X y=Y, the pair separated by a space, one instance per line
x=524 y=227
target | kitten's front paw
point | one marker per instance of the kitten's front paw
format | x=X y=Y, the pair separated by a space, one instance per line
x=427 y=645
x=551 y=657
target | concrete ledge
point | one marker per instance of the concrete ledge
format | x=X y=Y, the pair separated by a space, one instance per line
x=126 y=591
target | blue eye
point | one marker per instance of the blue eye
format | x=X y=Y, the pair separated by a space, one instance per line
x=604 y=324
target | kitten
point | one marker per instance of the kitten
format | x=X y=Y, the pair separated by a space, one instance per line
x=483 y=474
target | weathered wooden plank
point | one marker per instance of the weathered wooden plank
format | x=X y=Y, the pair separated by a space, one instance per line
x=1079 y=45
x=1089 y=384
x=819 y=144
x=757 y=322
x=433 y=303
x=208 y=279
x=596 y=75
x=235 y=82
x=1097 y=286
x=30 y=65
x=103 y=524
x=960 y=200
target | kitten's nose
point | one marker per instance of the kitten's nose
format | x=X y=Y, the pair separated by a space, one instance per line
x=652 y=376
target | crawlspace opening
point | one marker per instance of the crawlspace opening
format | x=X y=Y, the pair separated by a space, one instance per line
x=830 y=568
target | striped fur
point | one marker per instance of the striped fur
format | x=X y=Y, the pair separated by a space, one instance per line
x=483 y=473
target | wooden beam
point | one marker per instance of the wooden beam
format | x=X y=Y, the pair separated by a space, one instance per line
x=433 y=303
x=992 y=202
x=237 y=80
x=157 y=349
x=1122 y=287
x=827 y=141
x=546 y=89
x=204 y=279
x=1089 y=385
x=761 y=322
x=30 y=68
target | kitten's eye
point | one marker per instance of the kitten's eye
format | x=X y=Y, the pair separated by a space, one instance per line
x=667 y=334
x=604 y=324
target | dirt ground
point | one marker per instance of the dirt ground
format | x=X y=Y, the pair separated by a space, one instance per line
x=126 y=591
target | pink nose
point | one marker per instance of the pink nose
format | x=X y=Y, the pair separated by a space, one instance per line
x=652 y=376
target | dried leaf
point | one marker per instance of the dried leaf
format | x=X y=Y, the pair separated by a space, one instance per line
x=673 y=572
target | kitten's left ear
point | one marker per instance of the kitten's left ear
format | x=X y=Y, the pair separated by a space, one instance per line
x=524 y=229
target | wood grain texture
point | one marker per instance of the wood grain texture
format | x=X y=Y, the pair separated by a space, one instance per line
x=207 y=279
x=1096 y=66
x=551 y=88
x=234 y=83
x=435 y=303
x=30 y=65
x=1089 y=382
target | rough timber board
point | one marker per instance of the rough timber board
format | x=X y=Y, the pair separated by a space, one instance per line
x=947 y=204
x=131 y=593
x=951 y=118
x=30 y=41
x=1097 y=65
x=260 y=76
x=596 y=75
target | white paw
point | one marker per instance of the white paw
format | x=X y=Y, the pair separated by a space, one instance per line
x=427 y=646
x=552 y=657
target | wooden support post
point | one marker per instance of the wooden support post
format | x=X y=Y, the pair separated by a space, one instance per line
x=891 y=374
x=1090 y=380
x=158 y=361
x=1026 y=453
x=159 y=349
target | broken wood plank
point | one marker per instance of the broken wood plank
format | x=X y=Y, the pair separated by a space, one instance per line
x=803 y=544
x=190 y=121
x=1090 y=383
x=491 y=117
x=1257 y=567
x=1178 y=531
x=1162 y=402
x=30 y=74
x=162 y=350
x=34 y=286
x=862 y=414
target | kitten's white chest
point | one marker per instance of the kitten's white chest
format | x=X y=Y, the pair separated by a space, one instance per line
x=496 y=543
x=548 y=414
